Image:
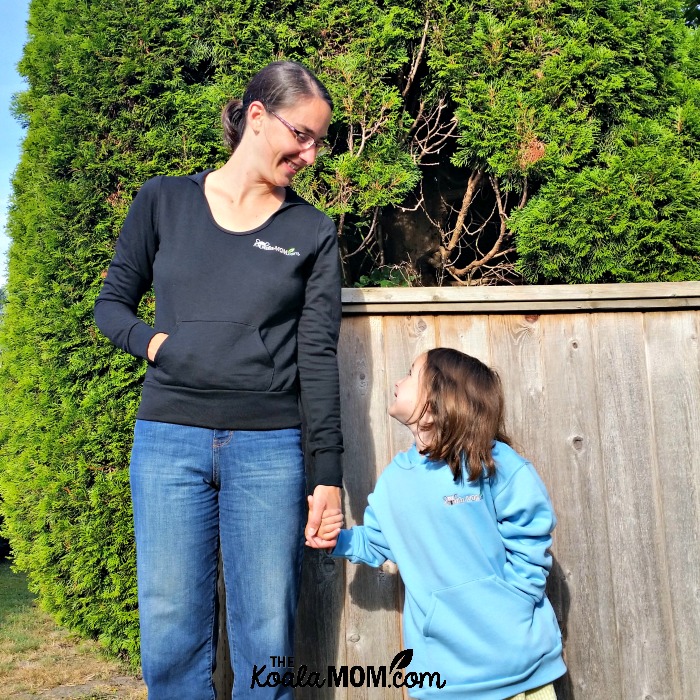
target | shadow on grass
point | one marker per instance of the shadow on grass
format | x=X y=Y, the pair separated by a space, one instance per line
x=14 y=595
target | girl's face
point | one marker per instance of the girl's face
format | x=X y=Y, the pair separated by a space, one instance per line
x=283 y=157
x=408 y=394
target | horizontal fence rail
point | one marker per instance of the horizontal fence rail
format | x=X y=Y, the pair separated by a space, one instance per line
x=603 y=395
x=541 y=299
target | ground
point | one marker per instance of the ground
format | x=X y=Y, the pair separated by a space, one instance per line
x=39 y=660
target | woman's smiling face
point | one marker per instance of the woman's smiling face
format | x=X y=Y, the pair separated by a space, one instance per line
x=311 y=116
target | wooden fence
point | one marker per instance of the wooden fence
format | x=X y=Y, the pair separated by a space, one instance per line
x=603 y=392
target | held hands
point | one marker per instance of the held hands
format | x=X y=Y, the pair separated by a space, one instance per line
x=154 y=345
x=331 y=524
x=325 y=518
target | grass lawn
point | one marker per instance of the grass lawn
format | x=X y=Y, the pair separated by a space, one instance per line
x=38 y=659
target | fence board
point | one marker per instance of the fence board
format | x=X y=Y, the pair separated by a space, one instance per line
x=515 y=354
x=672 y=343
x=469 y=334
x=639 y=585
x=406 y=338
x=580 y=582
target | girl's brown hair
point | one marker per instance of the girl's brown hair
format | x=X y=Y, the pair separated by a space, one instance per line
x=463 y=412
x=278 y=85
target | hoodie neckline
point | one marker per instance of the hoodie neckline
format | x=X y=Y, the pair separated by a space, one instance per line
x=291 y=198
x=413 y=458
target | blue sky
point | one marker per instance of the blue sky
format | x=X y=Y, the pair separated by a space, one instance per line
x=13 y=37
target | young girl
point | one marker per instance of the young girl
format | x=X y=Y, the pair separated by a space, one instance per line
x=468 y=522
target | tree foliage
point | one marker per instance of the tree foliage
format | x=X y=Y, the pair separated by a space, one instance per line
x=632 y=216
x=567 y=130
x=540 y=93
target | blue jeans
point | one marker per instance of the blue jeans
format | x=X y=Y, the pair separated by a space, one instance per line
x=196 y=489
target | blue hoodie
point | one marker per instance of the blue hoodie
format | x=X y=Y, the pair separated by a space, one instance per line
x=474 y=561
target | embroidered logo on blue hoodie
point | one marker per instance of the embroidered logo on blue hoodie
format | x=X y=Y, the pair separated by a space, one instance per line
x=455 y=499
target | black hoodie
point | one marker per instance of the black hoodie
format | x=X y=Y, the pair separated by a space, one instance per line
x=253 y=317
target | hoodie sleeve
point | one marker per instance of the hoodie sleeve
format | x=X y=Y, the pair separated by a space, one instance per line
x=130 y=275
x=525 y=521
x=317 y=342
x=364 y=544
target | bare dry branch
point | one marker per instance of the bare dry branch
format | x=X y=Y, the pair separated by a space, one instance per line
x=523 y=199
x=417 y=59
x=473 y=183
x=429 y=133
x=368 y=239
x=419 y=205
x=496 y=248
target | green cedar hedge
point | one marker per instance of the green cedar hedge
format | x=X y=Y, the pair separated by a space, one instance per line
x=587 y=114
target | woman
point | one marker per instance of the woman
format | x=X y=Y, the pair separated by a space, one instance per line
x=247 y=286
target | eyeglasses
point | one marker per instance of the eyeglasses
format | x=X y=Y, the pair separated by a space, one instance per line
x=304 y=140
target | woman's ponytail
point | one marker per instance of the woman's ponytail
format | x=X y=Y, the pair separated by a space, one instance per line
x=233 y=121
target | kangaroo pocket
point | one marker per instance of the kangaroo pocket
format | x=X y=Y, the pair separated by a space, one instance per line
x=485 y=631
x=214 y=355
